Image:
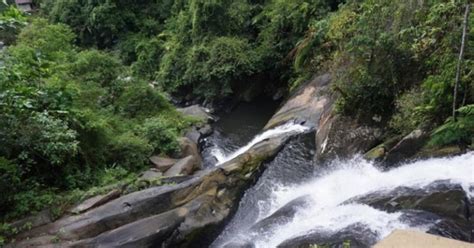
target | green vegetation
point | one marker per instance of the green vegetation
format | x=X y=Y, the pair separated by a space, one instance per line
x=84 y=84
x=72 y=118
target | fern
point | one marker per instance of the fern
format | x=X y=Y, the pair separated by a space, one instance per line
x=460 y=131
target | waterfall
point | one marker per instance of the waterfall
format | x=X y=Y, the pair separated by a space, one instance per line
x=289 y=127
x=327 y=209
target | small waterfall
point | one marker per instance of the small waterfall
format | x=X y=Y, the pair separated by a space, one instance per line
x=290 y=127
x=327 y=209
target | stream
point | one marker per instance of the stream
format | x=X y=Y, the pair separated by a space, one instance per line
x=296 y=203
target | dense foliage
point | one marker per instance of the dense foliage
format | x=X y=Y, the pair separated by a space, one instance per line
x=83 y=83
x=67 y=114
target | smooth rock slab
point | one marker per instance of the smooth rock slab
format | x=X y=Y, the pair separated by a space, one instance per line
x=95 y=201
x=184 y=166
x=162 y=163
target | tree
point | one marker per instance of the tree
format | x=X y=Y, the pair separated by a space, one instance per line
x=461 y=55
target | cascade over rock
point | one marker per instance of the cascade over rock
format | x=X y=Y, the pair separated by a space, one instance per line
x=189 y=212
x=306 y=105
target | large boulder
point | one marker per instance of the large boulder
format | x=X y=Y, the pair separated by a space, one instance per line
x=306 y=104
x=342 y=137
x=95 y=201
x=213 y=193
x=195 y=208
x=184 y=166
x=189 y=148
x=441 y=202
x=281 y=216
x=162 y=163
x=197 y=112
x=42 y=218
x=150 y=175
x=353 y=236
x=407 y=147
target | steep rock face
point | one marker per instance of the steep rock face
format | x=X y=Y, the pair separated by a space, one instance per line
x=342 y=137
x=306 y=104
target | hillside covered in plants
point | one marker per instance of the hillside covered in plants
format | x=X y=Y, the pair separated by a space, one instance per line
x=89 y=89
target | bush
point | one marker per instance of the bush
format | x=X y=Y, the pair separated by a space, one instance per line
x=459 y=131
x=140 y=99
x=9 y=183
x=409 y=115
x=161 y=134
x=130 y=151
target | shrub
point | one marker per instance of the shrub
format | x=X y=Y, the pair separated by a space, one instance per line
x=161 y=134
x=130 y=151
x=140 y=99
x=9 y=183
x=459 y=131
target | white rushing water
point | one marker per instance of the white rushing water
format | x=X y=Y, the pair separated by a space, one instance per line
x=353 y=178
x=283 y=129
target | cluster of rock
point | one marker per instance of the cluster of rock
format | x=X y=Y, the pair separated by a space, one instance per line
x=188 y=212
x=191 y=208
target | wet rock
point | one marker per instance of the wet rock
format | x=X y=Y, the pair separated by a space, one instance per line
x=162 y=163
x=197 y=112
x=353 y=236
x=437 y=224
x=438 y=152
x=441 y=198
x=147 y=216
x=343 y=137
x=446 y=201
x=306 y=104
x=150 y=175
x=184 y=166
x=95 y=201
x=205 y=130
x=379 y=152
x=407 y=147
x=281 y=216
x=239 y=244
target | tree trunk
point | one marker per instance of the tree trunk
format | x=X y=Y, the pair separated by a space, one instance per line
x=461 y=54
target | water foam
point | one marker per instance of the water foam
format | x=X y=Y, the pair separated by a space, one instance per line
x=290 y=127
x=358 y=177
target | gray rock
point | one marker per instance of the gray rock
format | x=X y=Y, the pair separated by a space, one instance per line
x=356 y=235
x=445 y=201
x=281 y=216
x=306 y=104
x=42 y=218
x=189 y=148
x=197 y=112
x=95 y=201
x=145 y=232
x=343 y=137
x=162 y=163
x=209 y=197
x=184 y=166
x=193 y=134
x=205 y=130
x=150 y=175
x=407 y=147
x=239 y=244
